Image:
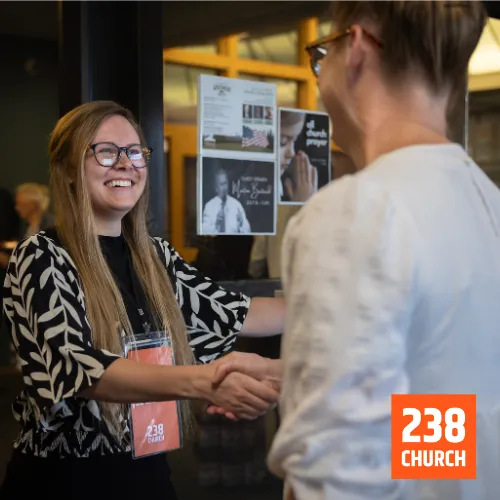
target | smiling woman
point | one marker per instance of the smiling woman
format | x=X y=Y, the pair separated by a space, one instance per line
x=73 y=292
x=116 y=176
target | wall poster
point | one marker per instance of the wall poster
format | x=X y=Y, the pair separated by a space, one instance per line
x=304 y=162
x=237 y=156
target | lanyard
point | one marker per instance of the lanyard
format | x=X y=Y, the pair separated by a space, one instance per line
x=137 y=296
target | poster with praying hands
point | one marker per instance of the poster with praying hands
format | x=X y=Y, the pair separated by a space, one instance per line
x=304 y=154
x=237 y=157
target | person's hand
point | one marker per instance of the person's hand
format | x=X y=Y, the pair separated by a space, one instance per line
x=4 y=260
x=239 y=396
x=267 y=371
x=305 y=179
x=255 y=366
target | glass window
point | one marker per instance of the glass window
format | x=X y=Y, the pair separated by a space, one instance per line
x=180 y=92
x=279 y=48
x=202 y=49
x=485 y=58
x=324 y=28
x=286 y=90
x=484 y=131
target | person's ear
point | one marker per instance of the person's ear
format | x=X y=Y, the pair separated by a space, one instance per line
x=356 y=54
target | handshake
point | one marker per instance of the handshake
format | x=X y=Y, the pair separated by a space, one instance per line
x=244 y=386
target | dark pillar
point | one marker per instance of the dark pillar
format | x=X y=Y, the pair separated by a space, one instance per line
x=113 y=50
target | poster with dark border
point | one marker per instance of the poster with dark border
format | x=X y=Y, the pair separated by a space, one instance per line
x=304 y=162
x=237 y=154
x=236 y=197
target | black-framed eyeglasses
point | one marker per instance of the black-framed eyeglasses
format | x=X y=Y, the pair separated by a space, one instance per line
x=108 y=154
x=317 y=50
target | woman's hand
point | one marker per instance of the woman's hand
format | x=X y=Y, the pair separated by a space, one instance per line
x=255 y=366
x=267 y=371
x=305 y=179
x=238 y=395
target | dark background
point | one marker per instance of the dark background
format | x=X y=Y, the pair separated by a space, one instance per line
x=261 y=218
x=29 y=107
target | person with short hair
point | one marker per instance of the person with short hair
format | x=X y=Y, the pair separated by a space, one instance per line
x=392 y=274
x=400 y=292
x=32 y=205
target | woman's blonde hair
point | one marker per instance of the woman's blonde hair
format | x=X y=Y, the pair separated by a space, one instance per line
x=433 y=40
x=68 y=147
x=36 y=192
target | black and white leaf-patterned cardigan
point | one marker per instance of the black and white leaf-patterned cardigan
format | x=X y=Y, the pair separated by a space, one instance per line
x=44 y=305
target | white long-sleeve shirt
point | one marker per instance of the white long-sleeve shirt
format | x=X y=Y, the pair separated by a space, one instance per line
x=236 y=221
x=392 y=282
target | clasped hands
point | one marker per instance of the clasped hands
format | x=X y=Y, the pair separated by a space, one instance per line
x=244 y=386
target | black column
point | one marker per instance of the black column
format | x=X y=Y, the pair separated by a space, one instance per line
x=113 y=50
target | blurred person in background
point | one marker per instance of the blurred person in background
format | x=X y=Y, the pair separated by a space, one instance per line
x=265 y=259
x=32 y=205
x=298 y=182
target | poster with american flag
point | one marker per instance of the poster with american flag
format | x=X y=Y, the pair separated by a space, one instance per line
x=237 y=157
x=255 y=138
x=237 y=118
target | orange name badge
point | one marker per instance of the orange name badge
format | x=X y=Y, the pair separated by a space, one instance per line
x=155 y=426
x=434 y=436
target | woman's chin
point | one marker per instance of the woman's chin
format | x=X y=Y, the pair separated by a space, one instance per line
x=114 y=209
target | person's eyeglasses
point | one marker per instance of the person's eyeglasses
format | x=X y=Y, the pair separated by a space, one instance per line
x=108 y=154
x=317 y=50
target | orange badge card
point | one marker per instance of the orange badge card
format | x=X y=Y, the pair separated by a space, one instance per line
x=155 y=426
x=434 y=436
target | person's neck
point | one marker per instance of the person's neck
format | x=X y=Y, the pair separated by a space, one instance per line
x=108 y=227
x=398 y=123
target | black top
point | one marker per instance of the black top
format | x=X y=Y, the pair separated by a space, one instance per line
x=44 y=305
x=119 y=260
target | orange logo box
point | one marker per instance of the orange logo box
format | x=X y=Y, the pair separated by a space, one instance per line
x=434 y=436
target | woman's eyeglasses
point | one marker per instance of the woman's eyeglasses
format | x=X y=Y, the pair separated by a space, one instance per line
x=318 y=50
x=108 y=154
